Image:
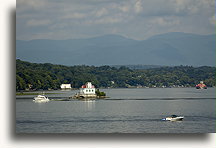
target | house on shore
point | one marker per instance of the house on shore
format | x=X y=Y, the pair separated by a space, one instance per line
x=201 y=85
x=65 y=86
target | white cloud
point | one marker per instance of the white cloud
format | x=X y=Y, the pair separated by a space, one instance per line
x=34 y=22
x=138 y=6
x=101 y=12
x=105 y=20
x=132 y=18
x=124 y=8
x=212 y=20
x=75 y=15
x=192 y=6
x=31 y=4
x=165 y=21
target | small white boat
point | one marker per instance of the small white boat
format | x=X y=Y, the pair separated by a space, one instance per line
x=41 y=98
x=174 y=118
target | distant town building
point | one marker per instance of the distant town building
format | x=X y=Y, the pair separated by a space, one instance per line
x=88 y=89
x=65 y=86
x=201 y=85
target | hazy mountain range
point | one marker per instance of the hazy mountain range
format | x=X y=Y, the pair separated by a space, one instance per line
x=166 y=49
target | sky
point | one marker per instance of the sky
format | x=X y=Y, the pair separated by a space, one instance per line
x=135 y=19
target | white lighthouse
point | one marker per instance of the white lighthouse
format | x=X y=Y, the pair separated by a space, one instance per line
x=88 y=92
x=88 y=89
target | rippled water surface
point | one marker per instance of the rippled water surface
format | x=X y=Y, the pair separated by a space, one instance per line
x=126 y=111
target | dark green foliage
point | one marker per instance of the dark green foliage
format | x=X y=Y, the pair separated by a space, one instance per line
x=48 y=76
x=100 y=93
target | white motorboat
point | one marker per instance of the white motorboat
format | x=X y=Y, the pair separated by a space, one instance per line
x=174 y=118
x=40 y=98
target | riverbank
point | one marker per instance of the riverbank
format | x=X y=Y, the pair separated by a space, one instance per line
x=30 y=93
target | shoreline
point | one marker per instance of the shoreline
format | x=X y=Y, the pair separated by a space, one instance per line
x=36 y=92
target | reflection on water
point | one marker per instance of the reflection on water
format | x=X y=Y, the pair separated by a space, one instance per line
x=89 y=104
x=126 y=111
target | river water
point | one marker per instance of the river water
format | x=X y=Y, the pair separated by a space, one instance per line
x=125 y=111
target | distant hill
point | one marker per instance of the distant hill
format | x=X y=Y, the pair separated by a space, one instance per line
x=166 y=49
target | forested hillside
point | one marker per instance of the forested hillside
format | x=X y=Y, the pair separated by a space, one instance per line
x=48 y=76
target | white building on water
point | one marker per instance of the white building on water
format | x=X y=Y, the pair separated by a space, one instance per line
x=65 y=86
x=87 y=89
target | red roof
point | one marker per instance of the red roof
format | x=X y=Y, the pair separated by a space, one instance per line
x=201 y=85
x=83 y=86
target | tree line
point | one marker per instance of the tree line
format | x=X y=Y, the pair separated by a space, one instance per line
x=34 y=76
